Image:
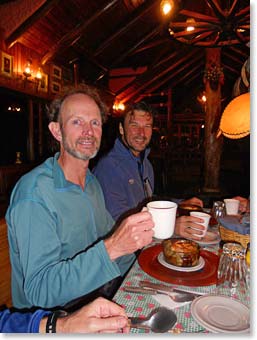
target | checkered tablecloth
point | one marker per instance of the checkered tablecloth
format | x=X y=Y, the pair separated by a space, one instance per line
x=140 y=305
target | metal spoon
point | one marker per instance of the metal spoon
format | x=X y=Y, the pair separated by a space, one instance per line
x=160 y=320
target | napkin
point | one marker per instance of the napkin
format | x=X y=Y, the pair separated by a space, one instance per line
x=233 y=223
x=167 y=302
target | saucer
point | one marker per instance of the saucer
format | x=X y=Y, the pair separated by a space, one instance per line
x=209 y=238
x=162 y=261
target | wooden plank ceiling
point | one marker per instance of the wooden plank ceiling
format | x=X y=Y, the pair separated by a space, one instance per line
x=103 y=35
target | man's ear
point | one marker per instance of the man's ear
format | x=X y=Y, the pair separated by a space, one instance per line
x=121 y=129
x=55 y=130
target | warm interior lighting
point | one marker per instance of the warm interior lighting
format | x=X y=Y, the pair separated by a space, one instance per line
x=118 y=106
x=190 y=22
x=166 y=6
x=27 y=70
x=202 y=98
x=235 y=120
x=39 y=74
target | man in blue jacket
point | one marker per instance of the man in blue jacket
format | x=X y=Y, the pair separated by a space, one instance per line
x=61 y=237
x=126 y=174
x=100 y=316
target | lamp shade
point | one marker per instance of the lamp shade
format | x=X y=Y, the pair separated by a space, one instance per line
x=235 y=120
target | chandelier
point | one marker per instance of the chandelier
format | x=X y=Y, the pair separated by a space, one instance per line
x=209 y=23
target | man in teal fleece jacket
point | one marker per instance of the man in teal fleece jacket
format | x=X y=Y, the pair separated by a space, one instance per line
x=62 y=245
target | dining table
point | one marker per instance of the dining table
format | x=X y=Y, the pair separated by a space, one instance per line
x=147 y=267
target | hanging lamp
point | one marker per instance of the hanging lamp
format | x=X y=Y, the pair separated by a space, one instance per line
x=235 y=120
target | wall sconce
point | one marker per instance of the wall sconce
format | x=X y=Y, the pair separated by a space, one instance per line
x=27 y=70
x=39 y=74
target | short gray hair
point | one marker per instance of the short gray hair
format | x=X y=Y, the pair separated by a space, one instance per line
x=53 y=111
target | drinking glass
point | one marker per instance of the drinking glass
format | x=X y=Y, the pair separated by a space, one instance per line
x=218 y=210
x=232 y=272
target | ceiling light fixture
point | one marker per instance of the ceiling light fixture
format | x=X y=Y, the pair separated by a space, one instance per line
x=191 y=22
x=166 y=6
x=227 y=22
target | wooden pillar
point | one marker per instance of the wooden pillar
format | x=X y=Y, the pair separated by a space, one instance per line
x=213 y=80
x=31 y=151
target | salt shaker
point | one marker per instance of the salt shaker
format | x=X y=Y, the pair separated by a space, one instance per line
x=232 y=272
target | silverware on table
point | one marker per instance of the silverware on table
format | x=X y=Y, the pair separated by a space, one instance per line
x=165 y=288
x=160 y=320
x=178 y=297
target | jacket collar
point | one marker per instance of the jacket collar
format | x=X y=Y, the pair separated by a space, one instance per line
x=122 y=148
x=60 y=182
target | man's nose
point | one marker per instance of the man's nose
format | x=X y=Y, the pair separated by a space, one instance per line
x=141 y=130
x=87 y=129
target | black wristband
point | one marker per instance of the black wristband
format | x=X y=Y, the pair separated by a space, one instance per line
x=51 y=320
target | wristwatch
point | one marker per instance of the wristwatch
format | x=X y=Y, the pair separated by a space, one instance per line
x=52 y=318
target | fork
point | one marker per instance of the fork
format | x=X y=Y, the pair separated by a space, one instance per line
x=181 y=297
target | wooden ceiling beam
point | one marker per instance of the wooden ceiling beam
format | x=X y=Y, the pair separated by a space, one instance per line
x=151 y=45
x=148 y=82
x=137 y=14
x=179 y=71
x=231 y=69
x=199 y=16
x=71 y=37
x=121 y=57
x=150 y=69
x=194 y=72
x=242 y=50
x=232 y=57
x=39 y=13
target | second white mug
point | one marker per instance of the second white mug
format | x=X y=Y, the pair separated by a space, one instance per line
x=205 y=217
x=232 y=206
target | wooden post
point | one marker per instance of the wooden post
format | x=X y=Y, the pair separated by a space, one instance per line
x=213 y=80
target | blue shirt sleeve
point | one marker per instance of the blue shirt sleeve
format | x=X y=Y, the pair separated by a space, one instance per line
x=17 y=322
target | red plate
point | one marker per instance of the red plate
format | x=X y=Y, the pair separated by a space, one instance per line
x=206 y=276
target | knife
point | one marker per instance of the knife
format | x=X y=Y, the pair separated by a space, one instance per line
x=182 y=297
x=165 y=288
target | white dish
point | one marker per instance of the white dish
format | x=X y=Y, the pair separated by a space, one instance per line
x=208 y=239
x=162 y=261
x=221 y=314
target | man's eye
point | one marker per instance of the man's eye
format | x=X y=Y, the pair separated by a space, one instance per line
x=96 y=123
x=76 y=122
x=133 y=124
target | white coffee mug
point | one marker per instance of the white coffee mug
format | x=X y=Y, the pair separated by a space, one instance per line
x=232 y=206
x=164 y=217
x=205 y=223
